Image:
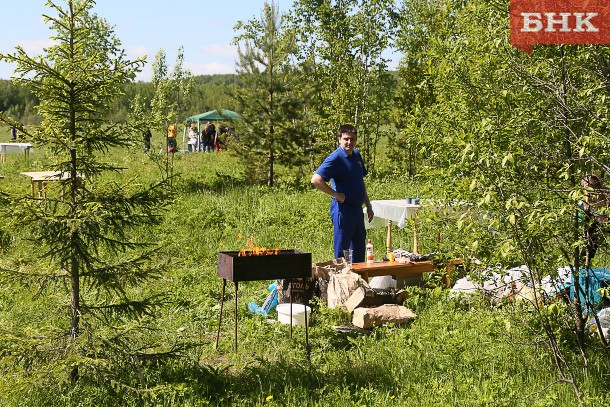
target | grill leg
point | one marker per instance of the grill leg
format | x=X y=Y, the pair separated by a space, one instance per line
x=307 y=350
x=236 y=286
x=222 y=301
x=290 y=296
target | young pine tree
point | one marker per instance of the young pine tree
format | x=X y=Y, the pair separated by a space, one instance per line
x=271 y=98
x=84 y=233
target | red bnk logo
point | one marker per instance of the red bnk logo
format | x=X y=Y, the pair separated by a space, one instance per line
x=559 y=22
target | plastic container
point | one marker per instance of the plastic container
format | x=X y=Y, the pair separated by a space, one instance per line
x=298 y=314
x=370 y=254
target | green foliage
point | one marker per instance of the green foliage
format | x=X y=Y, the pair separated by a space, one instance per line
x=207 y=92
x=272 y=99
x=423 y=24
x=509 y=136
x=346 y=40
x=18 y=102
x=212 y=92
x=171 y=91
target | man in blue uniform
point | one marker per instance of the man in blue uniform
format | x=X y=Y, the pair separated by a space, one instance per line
x=345 y=169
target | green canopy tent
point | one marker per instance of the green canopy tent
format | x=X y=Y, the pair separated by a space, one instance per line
x=211 y=116
x=214 y=115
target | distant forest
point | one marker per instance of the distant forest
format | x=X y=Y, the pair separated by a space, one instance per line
x=209 y=92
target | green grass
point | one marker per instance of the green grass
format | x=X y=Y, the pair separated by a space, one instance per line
x=455 y=353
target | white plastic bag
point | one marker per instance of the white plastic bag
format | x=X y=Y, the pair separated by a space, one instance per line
x=341 y=285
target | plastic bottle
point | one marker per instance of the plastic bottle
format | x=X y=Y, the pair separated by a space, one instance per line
x=370 y=254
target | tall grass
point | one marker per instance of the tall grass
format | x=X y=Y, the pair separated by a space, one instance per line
x=456 y=352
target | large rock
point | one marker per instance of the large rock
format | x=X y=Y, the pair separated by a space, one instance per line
x=367 y=318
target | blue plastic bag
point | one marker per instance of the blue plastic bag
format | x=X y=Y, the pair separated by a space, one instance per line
x=269 y=303
x=591 y=281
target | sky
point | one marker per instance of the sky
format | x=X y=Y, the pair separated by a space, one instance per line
x=203 y=27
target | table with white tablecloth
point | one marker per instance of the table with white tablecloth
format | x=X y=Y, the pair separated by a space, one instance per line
x=393 y=212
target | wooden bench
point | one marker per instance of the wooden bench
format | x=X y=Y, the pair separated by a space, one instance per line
x=402 y=270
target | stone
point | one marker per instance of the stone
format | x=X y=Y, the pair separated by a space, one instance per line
x=367 y=318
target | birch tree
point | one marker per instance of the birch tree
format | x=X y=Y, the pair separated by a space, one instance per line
x=513 y=135
x=346 y=39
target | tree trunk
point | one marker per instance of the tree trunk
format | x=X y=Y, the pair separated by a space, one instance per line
x=579 y=317
x=75 y=311
x=270 y=173
x=74 y=264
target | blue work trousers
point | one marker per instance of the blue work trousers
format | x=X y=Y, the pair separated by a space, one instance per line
x=349 y=232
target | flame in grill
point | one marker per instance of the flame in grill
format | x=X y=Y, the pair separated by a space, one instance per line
x=252 y=249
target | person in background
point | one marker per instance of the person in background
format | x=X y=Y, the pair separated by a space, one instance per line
x=345 y=169
x=232 y=136
x=210 y=136
x=21 y=134
x=595 y=197
x=13 y=133
x=205 y=142
x=147 y=136
x=172 y=146
x=193 y=138
x=219 y=141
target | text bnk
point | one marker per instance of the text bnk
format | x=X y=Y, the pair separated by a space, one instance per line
x=559 y=22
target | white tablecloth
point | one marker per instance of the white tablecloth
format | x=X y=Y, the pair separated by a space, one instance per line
x=15 y=147
x=396 y=210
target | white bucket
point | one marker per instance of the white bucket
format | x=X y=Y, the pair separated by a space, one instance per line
x=382 y=282
x=298 y=314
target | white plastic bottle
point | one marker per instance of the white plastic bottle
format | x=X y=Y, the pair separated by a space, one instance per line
x=370 y=254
